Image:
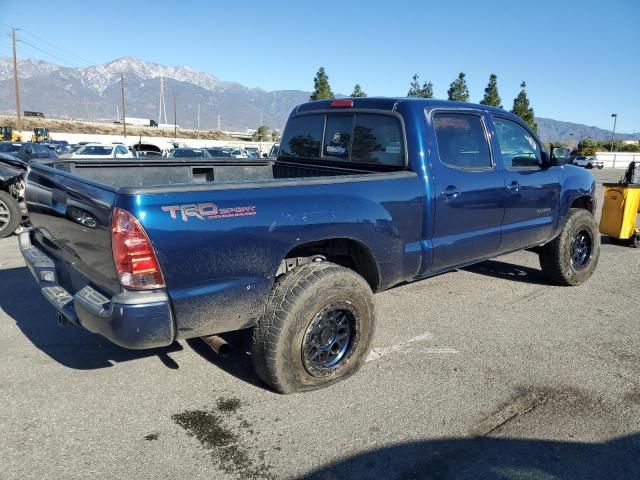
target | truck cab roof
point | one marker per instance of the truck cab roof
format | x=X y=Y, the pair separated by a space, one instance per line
x=391 y=104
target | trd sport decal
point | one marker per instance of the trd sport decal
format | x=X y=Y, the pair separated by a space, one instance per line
x=203 y=211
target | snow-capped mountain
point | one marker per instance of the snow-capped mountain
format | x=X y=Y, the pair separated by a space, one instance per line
x=93 y=93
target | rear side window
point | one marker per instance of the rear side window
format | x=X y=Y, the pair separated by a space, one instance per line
x=302 y=137
x=362 y=138
x=461 y=141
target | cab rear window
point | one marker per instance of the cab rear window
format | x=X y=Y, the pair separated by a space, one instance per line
x=357 y=138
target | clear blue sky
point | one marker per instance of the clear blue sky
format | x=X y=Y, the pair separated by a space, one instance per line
x=580 y=58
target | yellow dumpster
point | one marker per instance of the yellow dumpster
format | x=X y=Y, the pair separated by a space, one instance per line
x=619 y=211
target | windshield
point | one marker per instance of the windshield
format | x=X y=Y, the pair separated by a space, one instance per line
x=219 y=152
x=188 y=152
x=9 y=147
x=95 y=150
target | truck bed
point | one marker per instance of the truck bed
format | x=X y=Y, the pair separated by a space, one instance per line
x=122 y=173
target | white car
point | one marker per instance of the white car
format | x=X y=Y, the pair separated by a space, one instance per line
x=99 y=150
x=239 y=153
x=588 y=162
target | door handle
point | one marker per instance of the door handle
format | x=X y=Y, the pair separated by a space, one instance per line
x=513 y=187
x=450 y=192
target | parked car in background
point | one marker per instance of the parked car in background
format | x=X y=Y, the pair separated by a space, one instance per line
x=10 y=148
x=72 y=149
x=59 y=146
x=189 y=153
x=147 y=154
x=252 y=152
x=12 y=206
x=30 y=151
x=220 y=152
x=273 y=153
x=239 y=152
x=98 y=150
x=587 y=162
x=145 y=150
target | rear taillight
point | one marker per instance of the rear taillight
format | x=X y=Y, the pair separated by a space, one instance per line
x=136 y=262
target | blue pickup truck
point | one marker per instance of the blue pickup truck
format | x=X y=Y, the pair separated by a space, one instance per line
x=364 y=194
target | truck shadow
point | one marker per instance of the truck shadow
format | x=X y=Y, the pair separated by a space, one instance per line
x=508 y=271
x=238 y=362
x=490 y=458
x=73 y=347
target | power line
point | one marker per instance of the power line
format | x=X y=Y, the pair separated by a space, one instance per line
x=49 y=48
x=48 y=53
x=60 y=49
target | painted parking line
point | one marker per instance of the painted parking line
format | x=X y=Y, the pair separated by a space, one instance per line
x=409 y=345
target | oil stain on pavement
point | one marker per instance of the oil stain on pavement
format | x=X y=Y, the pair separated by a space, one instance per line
x=226 y=444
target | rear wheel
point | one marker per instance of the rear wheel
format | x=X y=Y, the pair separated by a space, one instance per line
x=9 y=214
x=571 y=258
x=317 y=328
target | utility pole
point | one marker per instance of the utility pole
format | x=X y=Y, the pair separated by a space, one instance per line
x=15 y=76
x=615 y=118
x=175 y=119
x=199 y=116
x=218 y=122
x=163 y=106
x=124 y=115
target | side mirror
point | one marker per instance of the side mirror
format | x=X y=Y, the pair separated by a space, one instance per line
x=28 y=151
x=559 y=156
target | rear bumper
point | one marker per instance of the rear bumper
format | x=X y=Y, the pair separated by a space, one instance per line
x=135 y=320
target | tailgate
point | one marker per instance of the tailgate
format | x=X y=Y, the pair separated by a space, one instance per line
x=71 y=217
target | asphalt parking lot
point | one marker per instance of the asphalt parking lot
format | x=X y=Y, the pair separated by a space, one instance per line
x=485 y=372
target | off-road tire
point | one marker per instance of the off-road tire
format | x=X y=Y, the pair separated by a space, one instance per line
x=13 y=210
x=294 y=302
x=555 y=256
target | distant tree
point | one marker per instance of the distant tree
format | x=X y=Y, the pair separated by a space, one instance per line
x=523 y=110
x=275 y=135
x=357 y=91
x=261 y=134
x=491 y=96
x=321 y=87
x=427 y=90
x=458 y=90
x=588 y=147
x=414 y=86
x=415 y=90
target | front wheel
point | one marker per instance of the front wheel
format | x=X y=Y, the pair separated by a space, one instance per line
x=571 y=258
x=317 y=328
x=10 y=215
x=600 y=167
